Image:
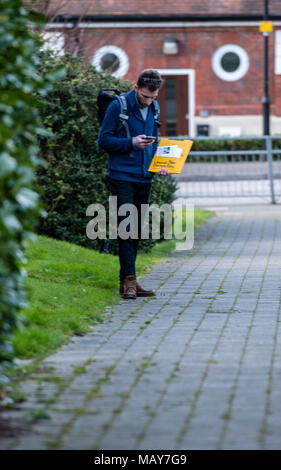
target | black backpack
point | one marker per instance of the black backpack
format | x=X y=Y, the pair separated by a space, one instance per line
x=104 y=100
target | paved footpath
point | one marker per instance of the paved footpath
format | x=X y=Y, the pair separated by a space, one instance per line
x=197 y=367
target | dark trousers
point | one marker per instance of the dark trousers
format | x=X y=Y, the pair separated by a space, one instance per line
x=129 y=193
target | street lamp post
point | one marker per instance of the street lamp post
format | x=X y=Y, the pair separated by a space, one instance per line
x=266 y=98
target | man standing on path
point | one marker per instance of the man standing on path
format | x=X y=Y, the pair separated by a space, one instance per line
x=130 y=155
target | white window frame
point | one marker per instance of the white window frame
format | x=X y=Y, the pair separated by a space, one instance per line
x=278 y=52
x=190 y=93
x=120 y=53
x=241 y=70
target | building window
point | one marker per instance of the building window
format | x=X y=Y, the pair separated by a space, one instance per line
x=230 y=62
x=111 y=59
x=110 y=63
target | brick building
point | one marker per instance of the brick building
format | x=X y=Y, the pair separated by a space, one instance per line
x=211 y=54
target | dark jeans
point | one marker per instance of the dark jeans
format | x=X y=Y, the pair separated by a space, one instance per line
x=129 y=193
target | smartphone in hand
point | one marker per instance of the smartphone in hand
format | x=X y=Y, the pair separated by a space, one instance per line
x=149 y=137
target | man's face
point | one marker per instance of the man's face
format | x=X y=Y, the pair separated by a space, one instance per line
x=145 y=96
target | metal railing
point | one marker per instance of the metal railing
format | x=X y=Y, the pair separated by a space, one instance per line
x=232 y=173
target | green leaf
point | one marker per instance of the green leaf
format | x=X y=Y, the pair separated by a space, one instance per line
x=7 y=120
x=7 y=164
x=27 y=198
x=12 y=223
x=56 y=74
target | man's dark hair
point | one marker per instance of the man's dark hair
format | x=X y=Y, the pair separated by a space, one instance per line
x=151 y=79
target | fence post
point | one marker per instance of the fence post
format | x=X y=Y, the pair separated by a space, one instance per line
x=268 y=141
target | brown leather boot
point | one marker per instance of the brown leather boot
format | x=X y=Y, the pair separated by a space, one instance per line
x=129 y=288
x=143 y=292
x=140 y=291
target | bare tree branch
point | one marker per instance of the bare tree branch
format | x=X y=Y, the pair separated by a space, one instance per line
x=63 y=39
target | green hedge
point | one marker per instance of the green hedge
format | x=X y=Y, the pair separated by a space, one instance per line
x=19 y=126
x=228 y=145
x=232 y=144
x=76 y=173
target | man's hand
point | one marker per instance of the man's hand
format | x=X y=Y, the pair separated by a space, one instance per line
x=163 y=172
x=141 y=142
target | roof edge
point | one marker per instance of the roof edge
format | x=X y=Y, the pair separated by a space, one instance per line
x=161 y=18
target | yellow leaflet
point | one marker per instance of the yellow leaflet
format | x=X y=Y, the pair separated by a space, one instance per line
x=171 y=154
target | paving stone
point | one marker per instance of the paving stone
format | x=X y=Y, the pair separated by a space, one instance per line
x=197 y=367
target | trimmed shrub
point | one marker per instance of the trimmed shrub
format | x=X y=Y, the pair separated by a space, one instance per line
x=228 y=145
x=75 y=176
x=233 y=144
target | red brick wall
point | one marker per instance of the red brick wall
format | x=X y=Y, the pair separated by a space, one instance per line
x=276 y=106
x=197 y=46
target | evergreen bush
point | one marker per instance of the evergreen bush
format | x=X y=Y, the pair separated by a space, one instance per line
x=19 y=127
x=213 y=144
x=75 y=176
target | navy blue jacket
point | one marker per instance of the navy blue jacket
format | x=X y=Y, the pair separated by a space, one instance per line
x=126 y=162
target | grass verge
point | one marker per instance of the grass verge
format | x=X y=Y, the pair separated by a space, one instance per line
x=69 y=288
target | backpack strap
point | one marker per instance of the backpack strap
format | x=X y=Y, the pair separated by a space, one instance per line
x=124 y=114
